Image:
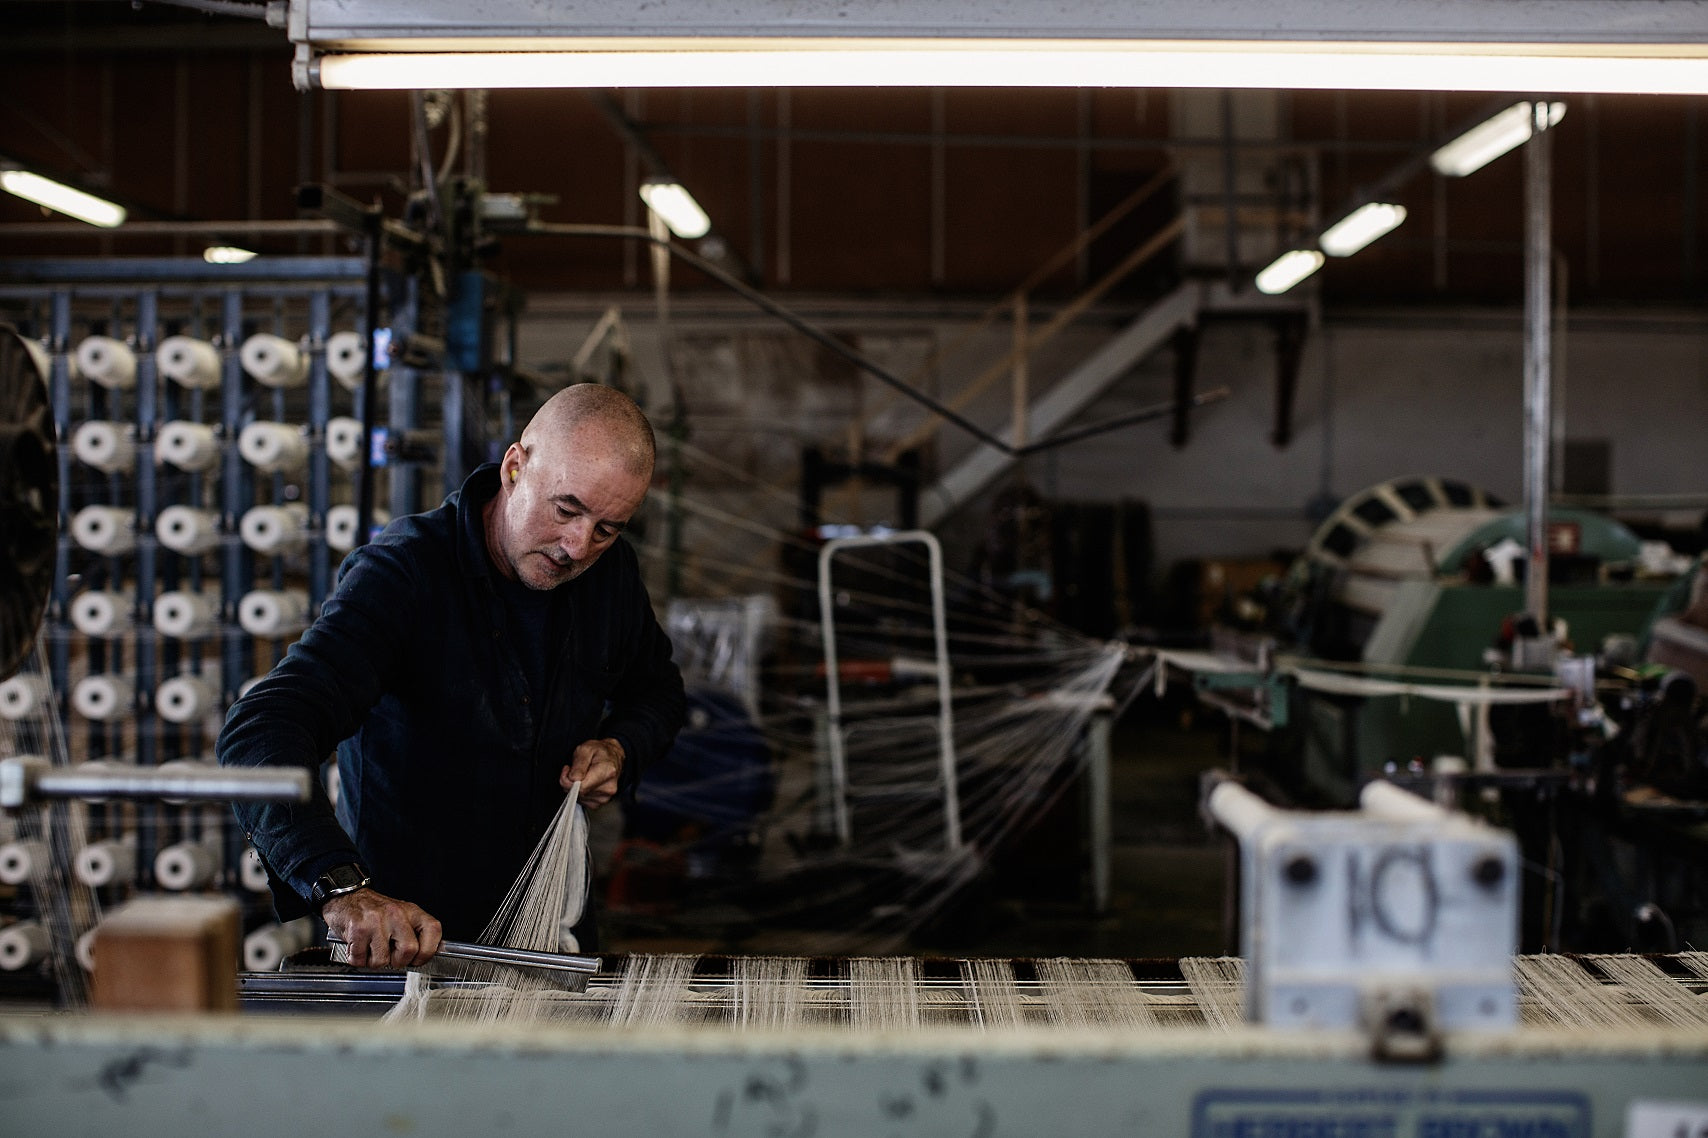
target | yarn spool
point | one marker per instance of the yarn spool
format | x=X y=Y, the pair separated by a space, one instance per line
x=108 y=362
x=105 y=445
x=23 y=859
x=188 y=362
x=274 y=361
x=103 y=698
x=186 y=699
x=188 y=530
x=184 y=866
x=275 y=529
x=101 y=613
x=184 y=615
x=189 y=446
x=100 y=864
x=272 y=447
x=344 y=441
x=274 y=613
x=106 y=530
x=25 y=696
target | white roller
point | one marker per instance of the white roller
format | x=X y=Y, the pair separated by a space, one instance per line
x=86 y=949
x=186 y=445
x=185 y=615
x=188 y=362
x=108 y=362
x=187 y=530
x=341 y=526
x=25 y=696
x=22 y=945
x=266 y=948
x=273 y=613
x=251 y=872
x=345 y=358
x=243 y=689
x=344 y=441
x=186 y=699
x=103 y=698
x=187 y=865
x=101 y=613
x=272 y=447
x=100 y=864
x=275 y=529
x=274 y=360
x=107 y=446
x=107 y=530
x=22 y=860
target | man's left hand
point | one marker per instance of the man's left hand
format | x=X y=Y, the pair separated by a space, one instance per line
x=596 y=765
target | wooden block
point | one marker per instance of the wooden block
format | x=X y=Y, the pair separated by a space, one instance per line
x=168 y=954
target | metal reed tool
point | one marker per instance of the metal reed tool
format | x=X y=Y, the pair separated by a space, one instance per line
x=571 y=971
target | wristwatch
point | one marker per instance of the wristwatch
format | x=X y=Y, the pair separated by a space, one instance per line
x=336 y=882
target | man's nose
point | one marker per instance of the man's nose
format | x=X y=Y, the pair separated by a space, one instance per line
x=576 y=539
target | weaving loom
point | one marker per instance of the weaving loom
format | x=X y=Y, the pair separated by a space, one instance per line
x=888 y=994
x=668 y=1045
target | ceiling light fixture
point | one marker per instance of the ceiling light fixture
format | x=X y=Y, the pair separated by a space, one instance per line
x=227 y=255
x=677 y=208
x=1360 y=227
x=1611 y=69
x=1491 y=138
x=1288 y=270
x=62 y=198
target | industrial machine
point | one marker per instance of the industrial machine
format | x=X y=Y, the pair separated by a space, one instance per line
x=1377 y=995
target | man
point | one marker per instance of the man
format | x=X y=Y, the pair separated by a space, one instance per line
x=471 y=664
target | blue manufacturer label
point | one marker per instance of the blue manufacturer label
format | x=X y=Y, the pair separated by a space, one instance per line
x=1389 y=1114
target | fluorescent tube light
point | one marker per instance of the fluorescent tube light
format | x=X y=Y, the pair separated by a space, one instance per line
x=1288 y=270
x=1487 y=141
x=1611 y=69
x=677 y=208
x=227 y=255
x=62 y=198
x=1360 y=227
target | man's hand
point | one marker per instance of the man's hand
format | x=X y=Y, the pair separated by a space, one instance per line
x=596 y=765
x=382 y=932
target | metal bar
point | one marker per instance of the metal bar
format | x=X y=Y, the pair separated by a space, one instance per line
x=519 y=957
x=112 y=270
x=223 y=784
x=370 y=385
x=1100 y=827
x=1538 y=242
x=148 y=645
x=320 y=474
x=945 y=703
x=495 y=954
x=56 y=229
x=236 y=563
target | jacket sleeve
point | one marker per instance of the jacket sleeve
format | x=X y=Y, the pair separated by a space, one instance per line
x=647 y=706
x=313 y=699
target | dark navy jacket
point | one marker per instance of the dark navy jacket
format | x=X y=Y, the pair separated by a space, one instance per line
x=449 y=773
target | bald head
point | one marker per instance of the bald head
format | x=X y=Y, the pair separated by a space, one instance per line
x=622 y=426
x=569 y=486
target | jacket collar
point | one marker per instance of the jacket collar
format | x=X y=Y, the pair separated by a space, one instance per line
x=477 y=490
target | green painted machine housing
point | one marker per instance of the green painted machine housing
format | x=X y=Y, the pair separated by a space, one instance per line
x=1448 y=622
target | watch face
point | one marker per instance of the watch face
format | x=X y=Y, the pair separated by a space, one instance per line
x=344 y=875
x=341 y=877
